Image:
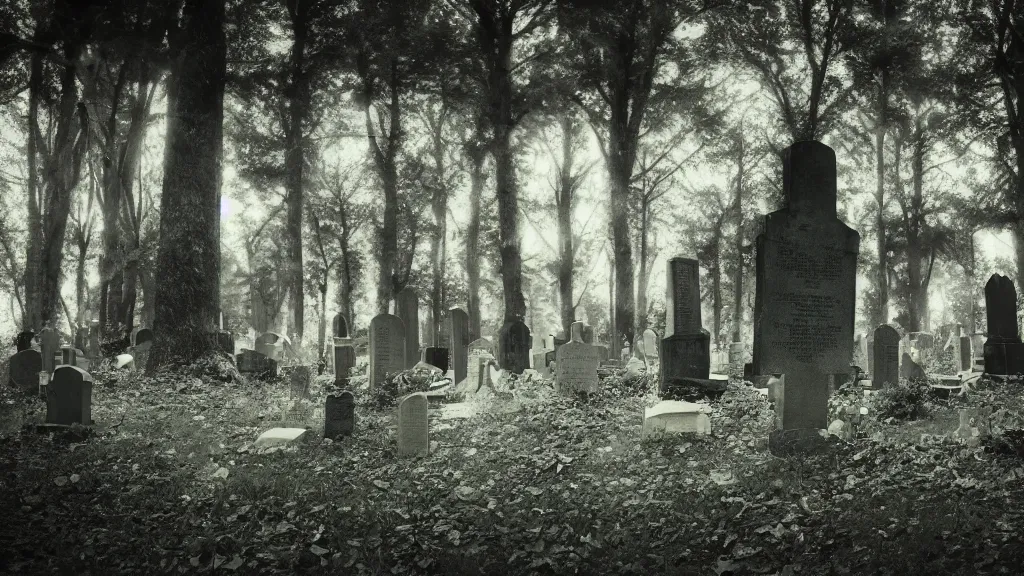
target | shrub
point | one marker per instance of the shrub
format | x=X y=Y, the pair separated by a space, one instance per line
x=903 y=401
x=401 y=383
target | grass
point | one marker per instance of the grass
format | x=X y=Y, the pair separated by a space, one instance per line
x=536 y=485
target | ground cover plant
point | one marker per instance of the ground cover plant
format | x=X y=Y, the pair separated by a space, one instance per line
x=531 y=483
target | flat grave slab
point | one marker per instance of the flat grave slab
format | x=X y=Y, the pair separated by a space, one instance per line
x=280 y=437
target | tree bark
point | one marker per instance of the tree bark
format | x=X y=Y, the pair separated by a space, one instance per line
x=918 y=287
x=477 y=178
x=620 y=171
x=564 y=203
x=644 y=275
x=882 y=279
x=297 y=95
x=188 y=296
x=33 y=318
x=438 y=244
x=737 y=313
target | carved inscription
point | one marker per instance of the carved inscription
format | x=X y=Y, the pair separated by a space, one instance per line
x=684 y=296
x=413 y=437
x=576 y=367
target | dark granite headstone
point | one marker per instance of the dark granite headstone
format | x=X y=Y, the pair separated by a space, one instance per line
x=436 y=356
x=141 y=335
x=225 y=341
x=387 y=347
x=686 y=348
x=69 y=397
x=514 y=347
x=339 y=326
x=255 y=363
x=49 y=347
x=886 y=356
x=805 y=288
x=339 y=415
x=456 y=330
x=407 y=307
x=24 y=340
x=24 y=370
x=1003 y=350
x=966 y=354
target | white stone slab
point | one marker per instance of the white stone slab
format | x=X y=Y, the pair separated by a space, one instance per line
x=123 y=360
x=675 y=417
x=280 y=437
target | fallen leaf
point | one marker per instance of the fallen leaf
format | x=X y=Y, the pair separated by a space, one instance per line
x=221 y=472
x=60 y=480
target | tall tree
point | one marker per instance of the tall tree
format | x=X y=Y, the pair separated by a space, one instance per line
x=502 y=30
x=188 y=297
x=623 y=48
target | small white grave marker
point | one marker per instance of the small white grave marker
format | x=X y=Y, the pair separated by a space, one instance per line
x=675 y=417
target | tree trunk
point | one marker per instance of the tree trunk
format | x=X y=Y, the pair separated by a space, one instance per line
x=32 y=319
x=625 y=313
x=717 y=302
x=62 y=172
x=918 y=288
x=476 y=188
x=321 y=331
x=643 y=276
x=438 y=244
x=737 y=313
x=563 y=204
x=384 y=162
x=508 y=226
x=188 y=296
x=80 y=285
x=882 y=280
x=297 y=94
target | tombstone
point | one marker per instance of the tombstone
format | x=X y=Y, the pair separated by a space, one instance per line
x=24 y=340
x=49 y=344
x=674 y=417
x=910 y=369
x=24 y=369
x=94 y=341
x=886 y=356
x=413 y=425
x=69 y=397
x=478 y=366
x=224 y=341
x=437 y=357
x=300 y=382
x=456 y=331
x=966 y=354
x=344 y=361
x=686 y=348
x=281 y=437
x=255 y=363
x=1003 y=350
x=270 y=344
x=68 y=356
x=514 y=347
x=588 y=334
x=576 y=364
x=650 y=344
x=602 y=351
x=407 y=307
x=805 y=289
x=387 y=347
x=339 y=326
x=339 y=415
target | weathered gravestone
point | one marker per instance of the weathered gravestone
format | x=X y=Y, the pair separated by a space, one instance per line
x=344 y=361
x=686 y=348
x=301 y=375
x=255 y=363
x=387 y=347
x=68 y=356
x=886 y=356
x=479 y=363
x=94 y=341
x=413 y=423
x=270 y=344
x=482 y=345
x=49 y=344
x=24 y=370
x=339 y=326
x=456 y=330
x=576 y=364
x=806 y=270
x=141 y=336
x=651 y=345
x=514 y=347
x=437 y=357
x=24 y=340
x=407 y=307
x=339 y=415
x=588 y=334
x=910 y=369
x=1003 y=350
x=69 y=397
x=674 y=417
x=966 y=353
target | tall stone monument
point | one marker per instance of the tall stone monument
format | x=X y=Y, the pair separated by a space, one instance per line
x=686 y=347
x=456 y=336
x=806 y=270
x=407 y=307
x=1003 y=350
x=514 y=347
x=886 y=354
x=387 y=347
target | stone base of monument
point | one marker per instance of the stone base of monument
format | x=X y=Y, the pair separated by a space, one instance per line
x=799 y=441
x=694 y=388
x=69 y=432
x=674 y=417
x=1004 y=358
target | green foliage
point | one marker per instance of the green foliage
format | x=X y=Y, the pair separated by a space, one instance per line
x=903 y=401
x=618 y=385
x=399 y=384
